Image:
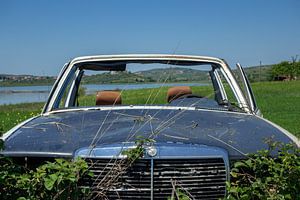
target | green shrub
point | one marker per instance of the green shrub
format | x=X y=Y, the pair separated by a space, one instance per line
x=262 y=176
x=53 y=180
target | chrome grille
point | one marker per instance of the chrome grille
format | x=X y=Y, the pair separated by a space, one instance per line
x=199 y=178
x=133 y=183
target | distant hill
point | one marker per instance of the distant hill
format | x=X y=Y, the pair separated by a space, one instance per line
x=25 y=80
x=116 y=77
x=178 y=74
x=175 y=74
x=259 y=73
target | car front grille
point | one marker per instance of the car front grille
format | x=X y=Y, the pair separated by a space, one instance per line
x=156 y=178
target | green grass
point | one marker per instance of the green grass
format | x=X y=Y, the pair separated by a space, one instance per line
x=141 y=96
x=11 y=115
x=278 y=101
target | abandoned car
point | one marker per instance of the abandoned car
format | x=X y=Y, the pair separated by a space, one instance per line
x=190 y=132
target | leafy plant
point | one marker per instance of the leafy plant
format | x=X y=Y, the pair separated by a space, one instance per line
x=53 y=180
x=9 y=175
x=263 y=176
x=133 y=154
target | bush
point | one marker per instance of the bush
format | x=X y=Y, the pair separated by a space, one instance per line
x=262 y=176
x=53 y=180
x=290 y=70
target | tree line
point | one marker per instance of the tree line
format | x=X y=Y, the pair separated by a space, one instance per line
x=287 y=70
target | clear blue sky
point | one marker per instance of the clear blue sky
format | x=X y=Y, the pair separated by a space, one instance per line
x=38 y=37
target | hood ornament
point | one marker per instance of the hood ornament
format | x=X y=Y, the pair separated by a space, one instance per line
x=151 y=151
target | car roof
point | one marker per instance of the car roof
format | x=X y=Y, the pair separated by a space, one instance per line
x=154 y=57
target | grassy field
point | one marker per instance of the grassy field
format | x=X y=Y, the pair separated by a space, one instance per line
x=11 y=115
x=146 y=96
x=278 y=101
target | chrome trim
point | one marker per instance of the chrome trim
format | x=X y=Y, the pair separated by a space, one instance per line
x=152 y=179
x=132 y=107
x=142 y=57
x=164 y=151
x=235 y=89
x=250 y=97
x=222 y=90
x=34 y=153
x=54 y=87
x=67 y=103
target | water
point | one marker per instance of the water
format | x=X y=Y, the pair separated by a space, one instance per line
x=27 y=94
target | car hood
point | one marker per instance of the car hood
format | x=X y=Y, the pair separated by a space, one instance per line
x=62 y=133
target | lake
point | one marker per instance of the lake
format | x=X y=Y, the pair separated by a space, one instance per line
x=27 y=94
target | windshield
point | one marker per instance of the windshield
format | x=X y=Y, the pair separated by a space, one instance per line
x=199 y=85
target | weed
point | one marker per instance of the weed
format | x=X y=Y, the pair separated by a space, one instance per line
x=263 y=176
x=53 y=180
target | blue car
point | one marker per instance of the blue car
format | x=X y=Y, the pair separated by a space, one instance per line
x=189 y=138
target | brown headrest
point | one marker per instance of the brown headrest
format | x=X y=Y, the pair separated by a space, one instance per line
x=178 y=91
x=108 y=98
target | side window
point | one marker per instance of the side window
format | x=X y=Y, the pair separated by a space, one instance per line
x=245 y=87
x=67 y=88
x=228 y=91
